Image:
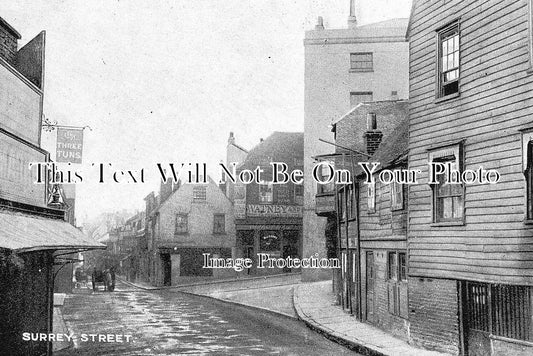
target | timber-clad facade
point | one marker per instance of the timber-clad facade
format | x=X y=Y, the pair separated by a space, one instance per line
x=470 y=246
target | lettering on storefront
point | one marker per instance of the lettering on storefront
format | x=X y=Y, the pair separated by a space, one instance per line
x=288 y=211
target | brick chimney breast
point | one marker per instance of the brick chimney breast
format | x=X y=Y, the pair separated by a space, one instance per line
x=8 y=42
x=372 y=136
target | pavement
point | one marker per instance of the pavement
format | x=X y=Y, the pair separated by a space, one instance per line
x=313 y=303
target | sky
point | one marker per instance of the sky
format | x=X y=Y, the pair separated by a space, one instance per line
x=162 y=81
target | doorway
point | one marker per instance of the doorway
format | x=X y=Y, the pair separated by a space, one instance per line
x=166 y=266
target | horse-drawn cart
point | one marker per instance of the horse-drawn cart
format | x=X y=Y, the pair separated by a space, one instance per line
x=105 y=277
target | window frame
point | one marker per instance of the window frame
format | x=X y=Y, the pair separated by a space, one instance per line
x=186 y=230
x=371 y=197
x=397 y=202
x=270 y=197
x=442 y=33
x=219 y=232
x=351 y=202
x=392 y=269
x=364 y=67
x=530 y=35
x=328 y=188
x=447 y=153
x=202 y=189
x=298 y=198
x=360 y=93
x=527 y=168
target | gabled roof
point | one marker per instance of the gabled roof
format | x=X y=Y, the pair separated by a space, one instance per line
x=210 y=181
x=276 y=145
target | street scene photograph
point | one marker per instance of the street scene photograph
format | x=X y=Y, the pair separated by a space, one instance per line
x=266 y=177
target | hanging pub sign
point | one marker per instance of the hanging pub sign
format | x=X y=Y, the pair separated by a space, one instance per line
x=69 y=145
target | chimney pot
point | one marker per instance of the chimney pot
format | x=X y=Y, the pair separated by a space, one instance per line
x=371 y=122
x=319 y=23
x=231 y=139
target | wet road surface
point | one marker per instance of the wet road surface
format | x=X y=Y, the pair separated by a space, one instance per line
x=170 y=323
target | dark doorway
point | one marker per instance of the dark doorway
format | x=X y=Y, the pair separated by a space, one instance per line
x=167 y=268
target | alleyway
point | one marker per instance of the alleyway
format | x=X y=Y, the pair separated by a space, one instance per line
x=168 y=323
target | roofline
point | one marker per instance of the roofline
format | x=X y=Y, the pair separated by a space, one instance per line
x=367 y=103
x=58 y=247
x=10 y=28
x=239 y=147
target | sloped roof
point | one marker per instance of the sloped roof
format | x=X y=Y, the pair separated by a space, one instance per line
x=24 y=232
x=5 y=24
x=275 y=145
x=393 y=148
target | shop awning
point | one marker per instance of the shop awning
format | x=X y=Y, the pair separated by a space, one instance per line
x=23 y=232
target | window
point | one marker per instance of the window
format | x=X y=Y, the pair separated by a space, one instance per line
x=341 y=211
x=325 y=171
x=392 y=266
x=199 y=193
x=527 y=162
x=448 y=198
x=266 y=192
x=396 y=195
x=270 y=241
x=219 y=224
x=503 y=310
x=361 y=62
x=182 y=224
x=299 y=193
x=358 y=97
x=448 y=54
x=350 y=202
x=371 y=197
x=402 y=273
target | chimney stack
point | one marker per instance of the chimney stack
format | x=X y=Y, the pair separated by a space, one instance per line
x=319 y=23
x=231 y=139
x=372 y=135
x=165 y=189
x=352 y=20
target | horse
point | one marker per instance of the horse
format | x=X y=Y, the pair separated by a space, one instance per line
x=106 y=276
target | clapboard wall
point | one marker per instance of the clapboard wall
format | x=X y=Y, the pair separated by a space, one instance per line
x=495 y=102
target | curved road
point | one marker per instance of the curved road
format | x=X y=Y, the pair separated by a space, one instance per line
x=164 y=322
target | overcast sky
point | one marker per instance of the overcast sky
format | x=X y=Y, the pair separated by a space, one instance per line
x=167 y=80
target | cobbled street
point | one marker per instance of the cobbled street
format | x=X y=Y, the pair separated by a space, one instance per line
x=164 y=322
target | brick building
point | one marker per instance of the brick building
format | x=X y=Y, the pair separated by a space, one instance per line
x=470 y=261
x=344 y=67
x=268 y=217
